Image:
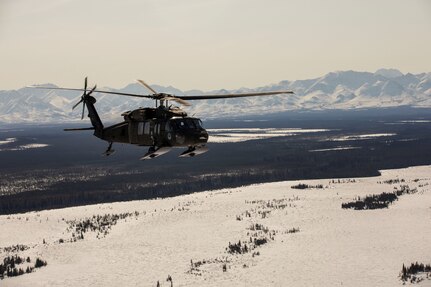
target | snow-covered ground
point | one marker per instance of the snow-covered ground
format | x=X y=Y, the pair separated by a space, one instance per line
x=25 y=147
x=244 y=134
x=335 y=148
x=333 y=247
x=361 y=137
x=10 y=146
x=7 y=141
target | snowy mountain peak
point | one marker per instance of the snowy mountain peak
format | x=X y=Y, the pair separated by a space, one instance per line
x=389 y=73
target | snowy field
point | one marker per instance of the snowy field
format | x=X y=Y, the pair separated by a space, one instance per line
x=245 y=134
x=10 y=147
x=304 y=237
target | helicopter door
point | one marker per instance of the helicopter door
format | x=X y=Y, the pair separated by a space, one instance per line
x=133 y=132
x=169 y=132
x=141 y=128
x=156 y=137
x=147 y=128
x=144 y=133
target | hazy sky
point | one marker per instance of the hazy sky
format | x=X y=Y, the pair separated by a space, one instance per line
x=207 y=44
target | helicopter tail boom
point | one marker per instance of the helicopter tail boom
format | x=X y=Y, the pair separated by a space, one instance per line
x=94 y=117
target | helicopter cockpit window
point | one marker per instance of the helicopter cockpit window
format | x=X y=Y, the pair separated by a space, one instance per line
x=186 y=124
x=181 y=124
x=197 y=123
x=190 y=123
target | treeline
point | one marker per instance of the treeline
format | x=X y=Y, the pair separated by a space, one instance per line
x=10 y=268
x=15 y=248
x=409 y=273
x=126 y=187
x=393 y=181
x=101 y=224
x=378 y=201
x=245 y=247
x=113 y=189
x=306 y=186
x=371 y=201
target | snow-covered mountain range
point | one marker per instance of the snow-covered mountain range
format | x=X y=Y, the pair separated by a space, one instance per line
x=336 y=90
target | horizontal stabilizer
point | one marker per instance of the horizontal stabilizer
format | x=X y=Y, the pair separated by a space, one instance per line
x=79 y=129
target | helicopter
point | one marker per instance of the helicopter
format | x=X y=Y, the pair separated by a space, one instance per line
x=161 y=128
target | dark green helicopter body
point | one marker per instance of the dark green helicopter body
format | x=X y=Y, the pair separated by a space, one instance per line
x=161 y=133
x=161 y=128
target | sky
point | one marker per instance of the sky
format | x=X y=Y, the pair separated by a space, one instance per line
x=207 y=44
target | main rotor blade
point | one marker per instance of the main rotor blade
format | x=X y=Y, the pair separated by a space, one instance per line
x=95 y=91
x=147 y=86
x=85 y=85
x=227 y=96
x=176 y=99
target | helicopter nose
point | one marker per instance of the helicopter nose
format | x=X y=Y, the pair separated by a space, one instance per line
x=203 y=136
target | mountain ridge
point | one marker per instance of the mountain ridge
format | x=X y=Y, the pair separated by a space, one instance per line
x=345 y=90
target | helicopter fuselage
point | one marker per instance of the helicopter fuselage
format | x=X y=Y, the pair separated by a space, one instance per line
x=160 y=128
x=169 y=132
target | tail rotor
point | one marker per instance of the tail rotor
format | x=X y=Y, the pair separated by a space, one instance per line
x=85 y=96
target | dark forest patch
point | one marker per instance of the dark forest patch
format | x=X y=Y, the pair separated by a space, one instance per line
x=378 y=201
x=68 y=174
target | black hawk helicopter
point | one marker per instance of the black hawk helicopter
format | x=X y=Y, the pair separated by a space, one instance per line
x=161 y=128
